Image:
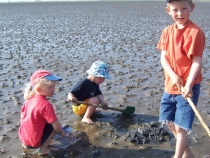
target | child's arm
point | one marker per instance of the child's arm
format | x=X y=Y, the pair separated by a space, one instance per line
x=177 y=81
x=102 y=102
x=72 y=98
x=58 y=128
x=194 y=71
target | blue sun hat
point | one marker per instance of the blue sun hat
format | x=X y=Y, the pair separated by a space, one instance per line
x=99 y=69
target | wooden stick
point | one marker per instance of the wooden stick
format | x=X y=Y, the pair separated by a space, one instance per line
x=197 y=113
x=111 y=108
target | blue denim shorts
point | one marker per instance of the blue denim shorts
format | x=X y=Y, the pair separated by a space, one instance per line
x=174 y=108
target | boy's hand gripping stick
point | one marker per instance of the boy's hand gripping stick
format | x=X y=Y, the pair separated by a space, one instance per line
x=197 y=113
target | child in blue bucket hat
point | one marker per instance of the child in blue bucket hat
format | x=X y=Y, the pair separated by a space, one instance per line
x=87 y=90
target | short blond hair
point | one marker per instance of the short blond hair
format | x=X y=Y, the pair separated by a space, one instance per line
x=30 y=91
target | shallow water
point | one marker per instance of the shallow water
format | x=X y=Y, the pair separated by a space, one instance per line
x=66 y=38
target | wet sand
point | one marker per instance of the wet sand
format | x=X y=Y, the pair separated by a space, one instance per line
x=66 y=38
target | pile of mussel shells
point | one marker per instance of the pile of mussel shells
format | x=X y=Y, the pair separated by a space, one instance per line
x=149 y=132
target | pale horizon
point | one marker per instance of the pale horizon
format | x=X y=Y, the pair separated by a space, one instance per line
x=9 y=1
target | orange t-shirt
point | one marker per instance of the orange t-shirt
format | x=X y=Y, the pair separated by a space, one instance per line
x=180 y=46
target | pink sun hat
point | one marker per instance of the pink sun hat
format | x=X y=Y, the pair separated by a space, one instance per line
x=43 y=74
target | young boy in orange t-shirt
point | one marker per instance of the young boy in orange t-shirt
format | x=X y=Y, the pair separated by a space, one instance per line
x=181 y=45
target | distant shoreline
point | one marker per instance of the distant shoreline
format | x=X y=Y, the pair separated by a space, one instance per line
x=35 y=1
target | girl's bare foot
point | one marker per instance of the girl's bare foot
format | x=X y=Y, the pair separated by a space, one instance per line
x=45 y=151
x=88 y=121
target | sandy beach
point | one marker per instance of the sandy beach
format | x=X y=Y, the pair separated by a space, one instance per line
x=66 y=38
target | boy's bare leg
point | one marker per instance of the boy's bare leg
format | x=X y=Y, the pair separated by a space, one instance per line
x=181 y=142
x=88 y=113
x=187 y=152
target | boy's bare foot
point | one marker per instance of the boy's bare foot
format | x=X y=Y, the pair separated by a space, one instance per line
x=97 y=111
x=192 y=156
x=188 y=153
x=88 y=121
